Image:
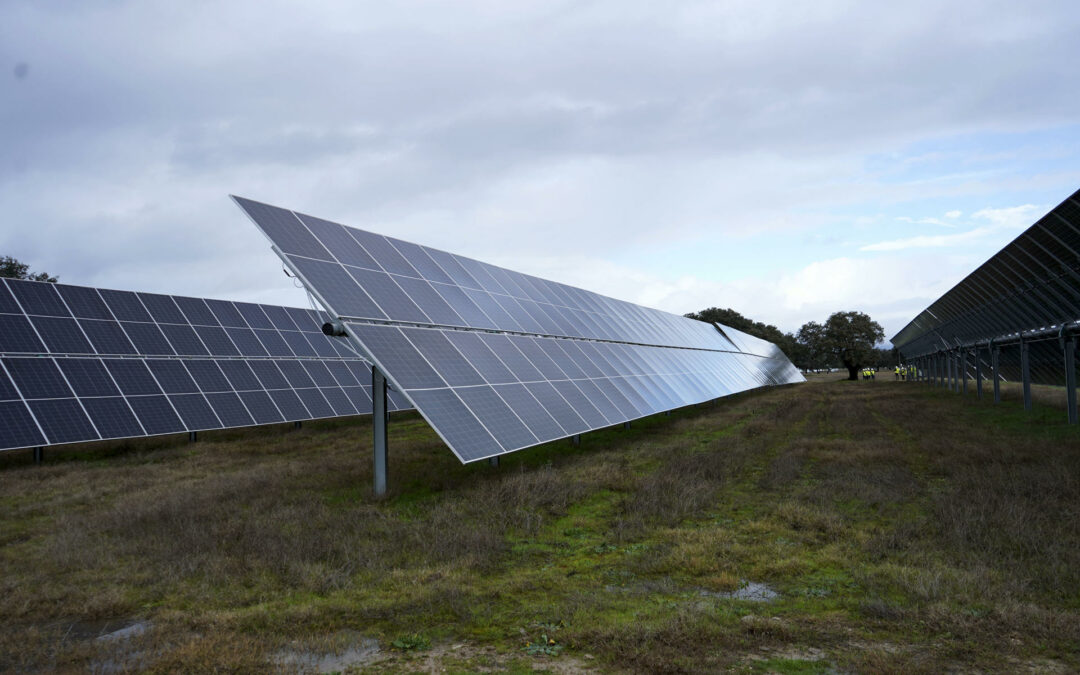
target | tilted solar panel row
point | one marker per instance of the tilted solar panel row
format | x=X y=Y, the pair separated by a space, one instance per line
x=1033 y=283
x=367 y=276
x=496 y=360
x=84 y=364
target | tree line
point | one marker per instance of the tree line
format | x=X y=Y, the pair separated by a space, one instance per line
x=844 y=340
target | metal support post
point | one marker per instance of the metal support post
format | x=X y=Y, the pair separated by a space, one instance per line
x=576 y=439
x=193 y=437
x=995 y=359
x=1070 y=377
x=380 y=417
x=963 y=369
x=978 y=375
x=39 y=455
x=297 y=424
x=1025 y=372
x=667 y=413
x=625 y=425
x=493 y=461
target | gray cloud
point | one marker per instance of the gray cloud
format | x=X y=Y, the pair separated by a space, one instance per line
x=487 y=128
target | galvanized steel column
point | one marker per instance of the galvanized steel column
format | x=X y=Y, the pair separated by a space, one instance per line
x=995 y=359
x=1025 y=372
x=380 y=418
x=978 y=375
x=1070 y=377
x=963 y=369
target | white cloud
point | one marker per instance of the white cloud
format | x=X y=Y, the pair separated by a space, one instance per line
x=955 y=213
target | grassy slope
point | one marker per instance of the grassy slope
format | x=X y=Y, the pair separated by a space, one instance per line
x=906 y=529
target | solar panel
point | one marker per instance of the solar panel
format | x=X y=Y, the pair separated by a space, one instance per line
x=496 y=360
x=85 y=364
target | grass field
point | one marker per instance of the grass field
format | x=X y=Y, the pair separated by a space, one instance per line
x=902 y=529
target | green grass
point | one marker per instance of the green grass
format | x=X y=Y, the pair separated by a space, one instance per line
x=905 y=529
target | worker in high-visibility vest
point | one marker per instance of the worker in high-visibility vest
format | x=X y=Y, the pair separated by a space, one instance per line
x=896 y=373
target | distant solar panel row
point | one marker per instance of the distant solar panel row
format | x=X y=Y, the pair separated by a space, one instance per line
x=83 y=364
x=496 y=360
x=1032 y=283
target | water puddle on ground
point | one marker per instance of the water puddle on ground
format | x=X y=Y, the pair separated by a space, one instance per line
x=751 y=591
x=364 y=651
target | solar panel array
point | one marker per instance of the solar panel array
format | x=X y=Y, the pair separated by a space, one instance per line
x=85 y=364
x=496 y=360
x=1030 y=285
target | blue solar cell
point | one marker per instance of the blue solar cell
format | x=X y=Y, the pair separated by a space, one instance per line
x=558 y=407
x=453 y=268
x=571 y=349
x=337 y=399
x=226 y=314
x=430 y=302
x=132 y=376
x=319 y=373
x=195 y=412
x=297 y=343
x=261 y=407
x=467 y=309
x=500 y=420
x=443 y=357
x=296 y=375
x=512 y=307
x=88 y=377
x=113 y=417
x=341 y=373
x=453 y=421
x=125 y=305
x=284 y=229
x=7 y=389
x=326 y=346
x=274 y=344
x=607 y=408
x=7 y=301
x=239 y=375
x=419 y=260
x=306 y=320
x=338 y=288
x=62 y=336
x=269 y=375
x=84 y=303
x=172 y=376
x=17 y=335
x=530 y=347
x=17 y=427
x=230 y=409
x=483 y=359
x=37 y=378
x=246 y=342
x=581 y=404
x=393 y=302
x=513 y=359
x=279 y=317
x=479 y=271
x=63 y=420
x=360 y=399
x=253 y=315
x=147 y=338
x=184 y=340
x=40 y=298
x=217 y=341
x=339 y=242
x=397 y=401
x=607 y=369
x=315 y=402
x=162 y=308
x=207 y=376
x=397 y=355
x=196 y=311
x=156 y=415
x=493 y=310
x=624 y=405
x=383 y=251
x=289 y=404
x=107 y=337
x=525 y=406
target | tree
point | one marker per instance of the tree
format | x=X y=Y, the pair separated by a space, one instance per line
x=849 y=337
x=11 y=268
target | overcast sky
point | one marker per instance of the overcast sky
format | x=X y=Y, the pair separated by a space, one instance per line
x=784 y=159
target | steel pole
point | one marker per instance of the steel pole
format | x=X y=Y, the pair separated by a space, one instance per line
x=978 y=375
x=995 y=359
x=1070 y=377
x=963 y=369
x=1025 y=373
x=380 y=419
